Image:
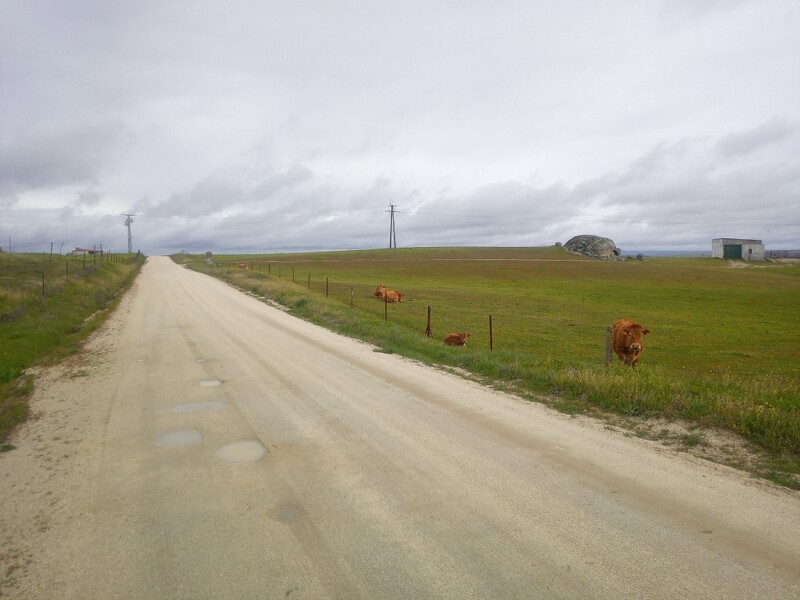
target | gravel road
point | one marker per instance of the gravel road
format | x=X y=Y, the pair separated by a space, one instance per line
x=207 y=445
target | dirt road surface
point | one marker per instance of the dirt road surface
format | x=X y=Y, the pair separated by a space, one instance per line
x=207 y=445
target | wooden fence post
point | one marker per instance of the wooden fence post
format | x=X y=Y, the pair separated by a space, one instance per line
x=609 y=350
x=491 y=337
x=326 y=287
x=293 y=281
x=428 y=328
x=386 y=307
x=309 y=281
x=351 y=295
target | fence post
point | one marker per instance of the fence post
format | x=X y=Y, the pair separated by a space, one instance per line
x=609 y=351
x=386 y=307
x=309 y=281
x=491 y=335
x=326 y=287
x=351 y=295
x=293 y=281
x=428 y=328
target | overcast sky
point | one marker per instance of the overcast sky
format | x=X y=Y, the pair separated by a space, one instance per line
x=265 y=126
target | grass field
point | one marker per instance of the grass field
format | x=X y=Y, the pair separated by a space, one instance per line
x=45 y=307
x=723 y=350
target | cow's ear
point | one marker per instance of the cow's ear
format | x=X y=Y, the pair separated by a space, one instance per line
x=645 y=332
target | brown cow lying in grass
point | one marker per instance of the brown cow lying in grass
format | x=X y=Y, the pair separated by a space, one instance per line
x=382 y=293
x=627 y=339
x=456 y=339
x=393 y=296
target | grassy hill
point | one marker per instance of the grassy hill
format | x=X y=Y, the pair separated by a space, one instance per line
x=723 y=349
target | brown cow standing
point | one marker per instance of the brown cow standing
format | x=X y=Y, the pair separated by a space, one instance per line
x=456 y=339
x=393 y=296
x=627 y=339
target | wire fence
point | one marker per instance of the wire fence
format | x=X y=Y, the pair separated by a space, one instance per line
x=782 y=254
x=347 y=293
x=50 y=281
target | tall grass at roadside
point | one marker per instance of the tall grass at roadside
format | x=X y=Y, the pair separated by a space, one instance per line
x=723 y=351
x=38 y=324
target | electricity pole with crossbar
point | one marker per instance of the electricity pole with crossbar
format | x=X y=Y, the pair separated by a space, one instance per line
x=392 y=230
x=128 y=221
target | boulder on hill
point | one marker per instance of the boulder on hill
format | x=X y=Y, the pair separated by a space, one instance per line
x=594 y=246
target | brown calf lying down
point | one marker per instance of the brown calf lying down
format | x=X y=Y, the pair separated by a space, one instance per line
x=627 y=339
x=393 y=296
x=382 y=293
x=456 y=339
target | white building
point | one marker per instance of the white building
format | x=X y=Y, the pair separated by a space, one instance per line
x=737 y=249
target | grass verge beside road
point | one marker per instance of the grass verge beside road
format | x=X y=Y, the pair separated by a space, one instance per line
x=48 y=305
x=723 y=352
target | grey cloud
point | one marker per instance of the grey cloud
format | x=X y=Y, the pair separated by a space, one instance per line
x=769 y=133
x=88 y=197
x=51 y=154
x=209 y=196
x=294 y=129
x=675 y=194
x=295 y=176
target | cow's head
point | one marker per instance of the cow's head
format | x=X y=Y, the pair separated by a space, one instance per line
x=633 y=337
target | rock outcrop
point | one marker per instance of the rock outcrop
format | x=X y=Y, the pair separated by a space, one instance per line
x=594 y=246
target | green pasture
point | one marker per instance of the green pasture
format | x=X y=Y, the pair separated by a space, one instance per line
x=723 y=350
x=45 y=302
x=706 y=317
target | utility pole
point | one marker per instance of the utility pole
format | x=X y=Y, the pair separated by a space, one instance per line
x=392 y=230
x=128 y=221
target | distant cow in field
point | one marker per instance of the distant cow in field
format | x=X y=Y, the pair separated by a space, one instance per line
x=627 y=340
x=393 y=296
x=456 y=339
x=242 y=265
x=380 y=291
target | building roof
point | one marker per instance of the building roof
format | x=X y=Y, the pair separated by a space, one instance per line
x=736 y=241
